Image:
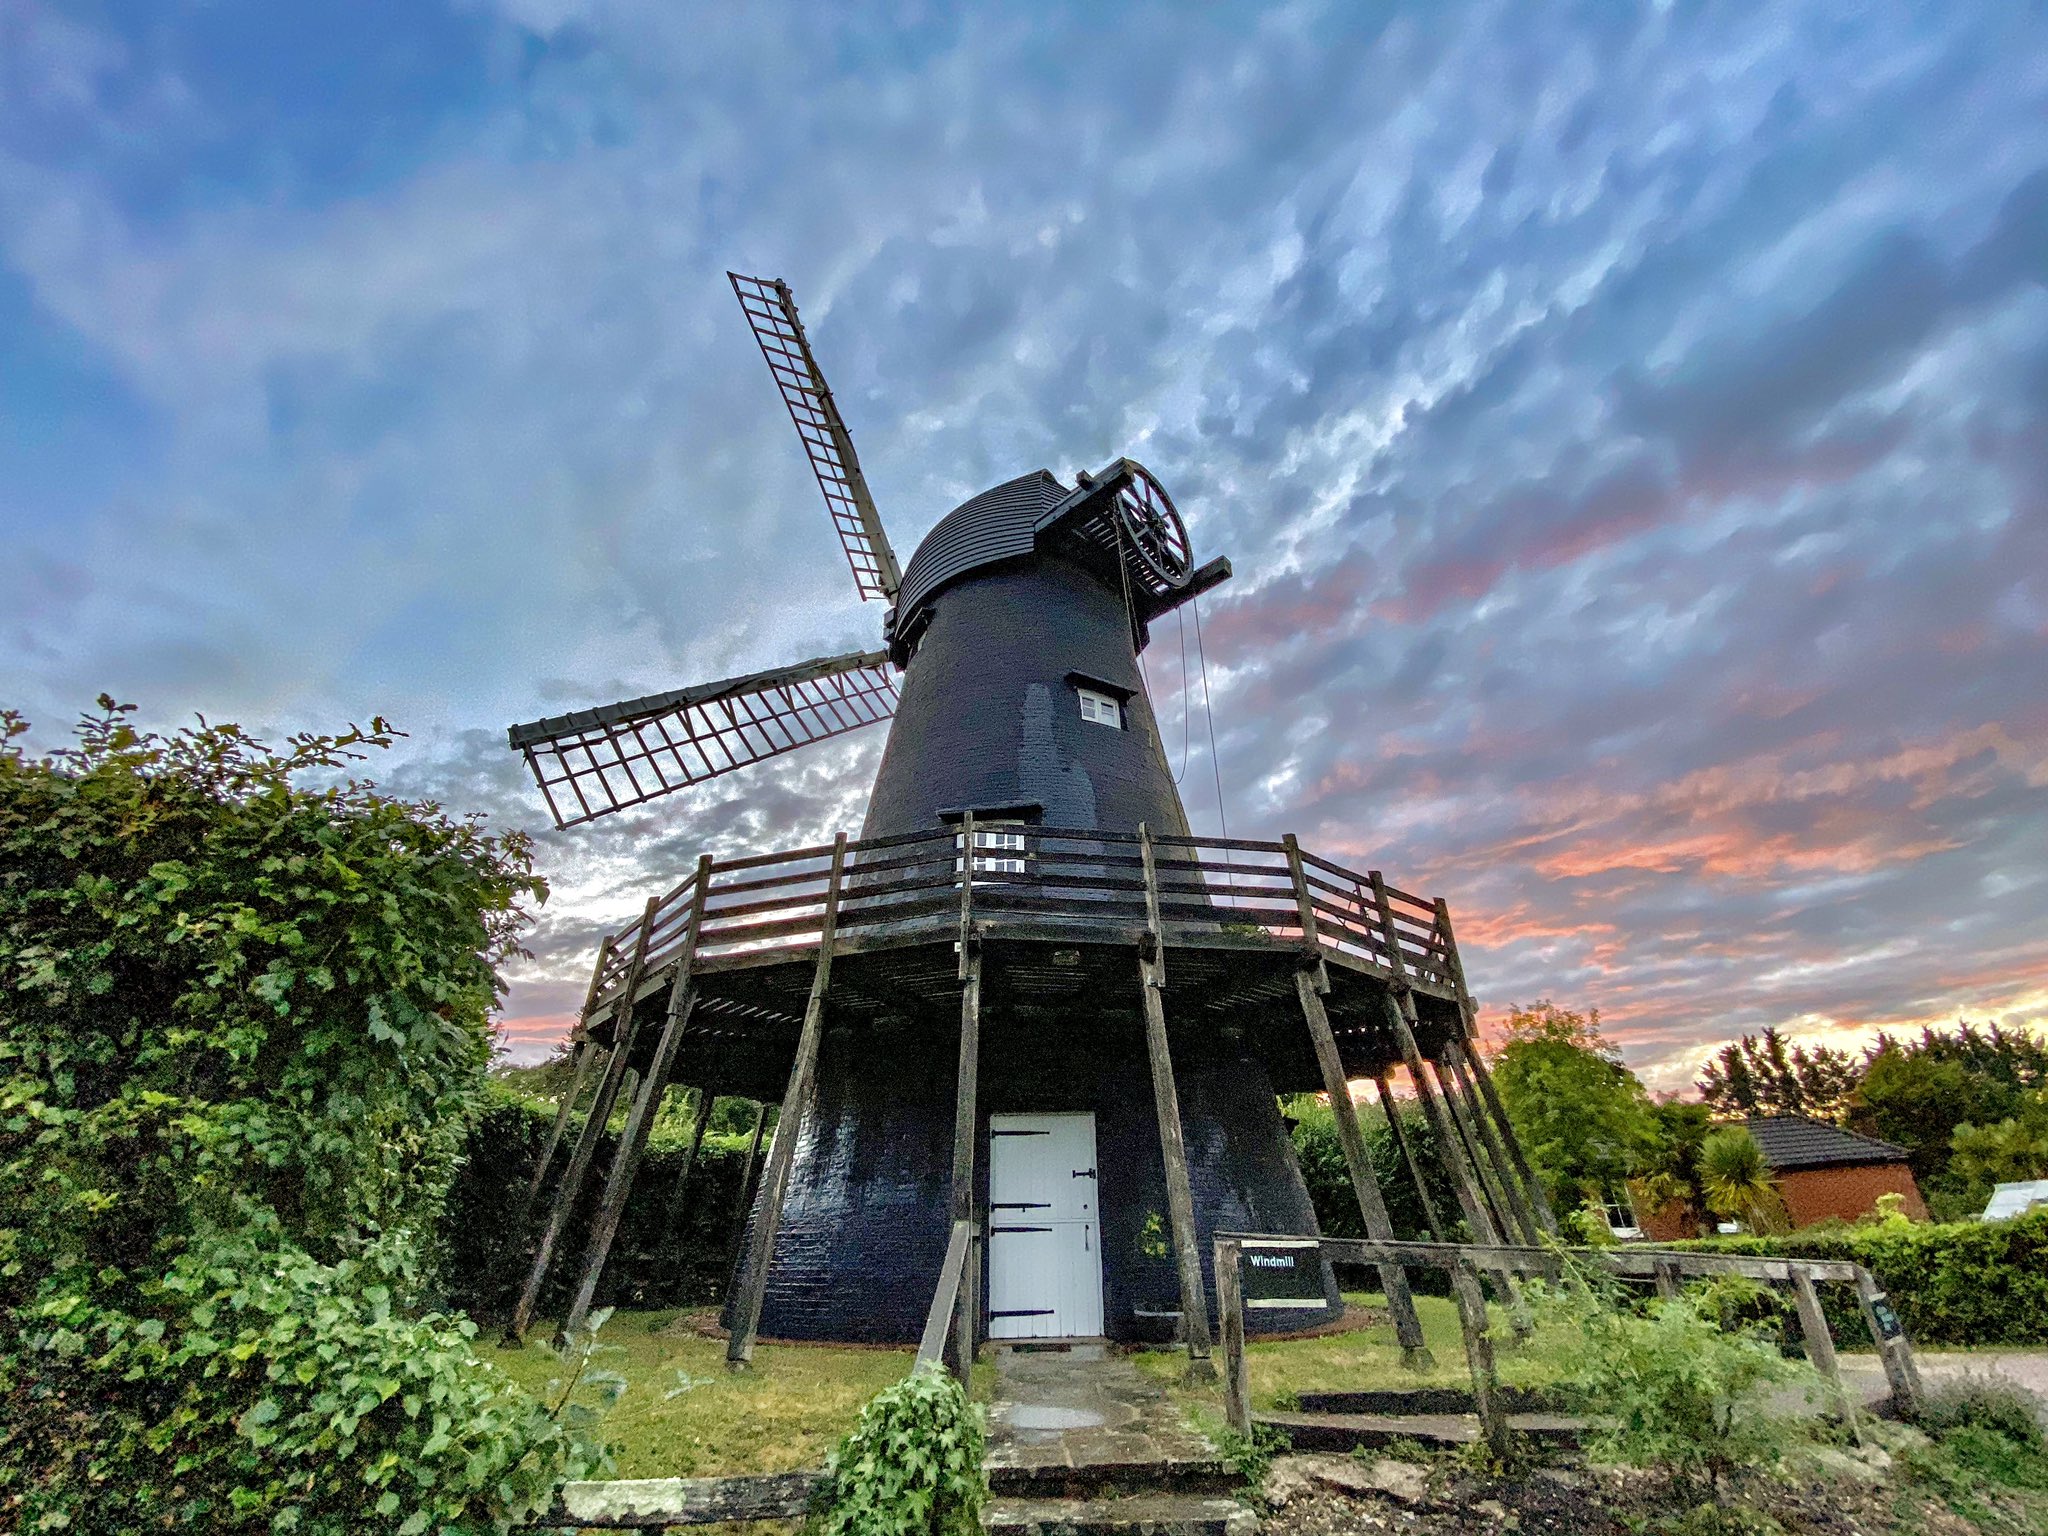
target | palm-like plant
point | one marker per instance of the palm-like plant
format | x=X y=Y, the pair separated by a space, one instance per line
x=1737 y=1181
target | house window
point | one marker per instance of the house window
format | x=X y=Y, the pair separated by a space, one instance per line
x=1000 y=852
x=1621 y=1216
x=1101 y=708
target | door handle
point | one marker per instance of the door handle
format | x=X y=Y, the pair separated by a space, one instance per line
x=1084 y=1173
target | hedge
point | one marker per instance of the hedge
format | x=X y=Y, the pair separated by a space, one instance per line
x=485 y=1253
x=1957 y=1282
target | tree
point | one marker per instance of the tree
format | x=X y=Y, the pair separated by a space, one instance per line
x=244 y=1026
x=1583 y=1118
x=2008 y=1151
x=1763 y=1075
x=1919 y=1092
x=1737 y=1182
x=1670 y=1176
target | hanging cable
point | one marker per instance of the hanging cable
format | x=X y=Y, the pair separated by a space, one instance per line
x=1222 y=816
x=1187 y=704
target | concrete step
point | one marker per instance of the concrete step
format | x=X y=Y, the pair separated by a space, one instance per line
x=1150 y=1514
x=1438 y=1431
x=1425 y=1400
x=1059 y=1479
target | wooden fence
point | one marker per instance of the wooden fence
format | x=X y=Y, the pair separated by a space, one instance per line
x=1662 y=1266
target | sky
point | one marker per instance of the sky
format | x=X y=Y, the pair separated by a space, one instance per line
x=1629 y=426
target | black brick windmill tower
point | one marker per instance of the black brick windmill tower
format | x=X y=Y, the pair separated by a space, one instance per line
x=1026 y=1030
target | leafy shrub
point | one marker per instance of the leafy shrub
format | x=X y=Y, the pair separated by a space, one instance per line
x=1674 y=1391
x=243 y=1029
x=1251 y=1456
x=1982 y=1401
x=910 y=1467
x=1964 y=1282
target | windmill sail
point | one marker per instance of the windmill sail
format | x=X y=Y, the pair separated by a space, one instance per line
x=772 y=313
x=597 y=761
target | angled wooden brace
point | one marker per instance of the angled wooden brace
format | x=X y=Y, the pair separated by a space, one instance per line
x=585 y=1054
x=571 y=1191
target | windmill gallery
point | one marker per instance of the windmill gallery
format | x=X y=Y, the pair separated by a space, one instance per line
x=1025 y=1017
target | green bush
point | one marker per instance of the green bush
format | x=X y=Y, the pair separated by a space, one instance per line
x=243 y=1031
x=911 y=1466
x=668 y=1253
x=1982 y=1401
x=1672 y=1388
x=1963 y=1282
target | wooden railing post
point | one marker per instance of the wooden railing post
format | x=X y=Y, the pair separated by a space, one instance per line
x=1479 y=1358
x=746 y=1317
x=571 y=1191
x=1180 y=1199
x=1237 y=1391
x=1819 y=1341
x=618 y=1184
x=1892 y=1349
x=966 y=1102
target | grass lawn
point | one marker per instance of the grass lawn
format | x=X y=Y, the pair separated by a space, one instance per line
x=782 y=1416
x=1371 y=1357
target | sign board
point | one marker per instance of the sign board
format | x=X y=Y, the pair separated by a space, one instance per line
x=1282 y=1273
x=1887 y=1320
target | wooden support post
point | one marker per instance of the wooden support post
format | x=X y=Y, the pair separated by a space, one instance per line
x=966 y=1104
x=1538 y=1198
x=1522 y=1215
x=1666 y=1276
x=1180 y=1198
x=1819 y=1341
x=1892 y=1349
x=1365 y=1184
x=584 y=1054
x=618 y=1184
x=573 y=1177
x=746 y=1317
x=1475 y=1159
x=1493 y=1420
x=746 y=1200
x=1414 y=1166
x=1237 y=1390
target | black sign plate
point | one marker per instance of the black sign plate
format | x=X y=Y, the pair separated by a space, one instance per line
x=1887 y=1320
x=1281 y=1274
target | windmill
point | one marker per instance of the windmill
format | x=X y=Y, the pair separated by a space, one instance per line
x=1025 y=860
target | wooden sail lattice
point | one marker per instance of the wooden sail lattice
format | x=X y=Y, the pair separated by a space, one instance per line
x=772 y=313
x=597 y=761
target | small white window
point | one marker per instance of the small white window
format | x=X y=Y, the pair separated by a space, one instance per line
x=1101 y=708
x=998 y=851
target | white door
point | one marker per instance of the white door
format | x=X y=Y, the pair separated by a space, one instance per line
x=1045 y=1239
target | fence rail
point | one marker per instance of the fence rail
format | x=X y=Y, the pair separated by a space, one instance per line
x=1464 y=1261
x=1219 y=890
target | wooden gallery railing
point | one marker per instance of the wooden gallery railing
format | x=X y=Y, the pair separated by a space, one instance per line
x=961 y=887
x=1663 y=1266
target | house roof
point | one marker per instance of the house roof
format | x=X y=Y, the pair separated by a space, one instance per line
x=1790 y=1142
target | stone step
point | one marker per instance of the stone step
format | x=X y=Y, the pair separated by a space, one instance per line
x=1151 y=1514
x=1439 y=1431
x=1049 y=1478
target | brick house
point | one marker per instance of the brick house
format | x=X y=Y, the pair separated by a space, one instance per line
x=1824 y=1171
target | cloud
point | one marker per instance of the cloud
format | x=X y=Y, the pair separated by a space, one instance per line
x=1628 y=428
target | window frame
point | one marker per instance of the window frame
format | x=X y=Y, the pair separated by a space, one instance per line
x=1109 y=709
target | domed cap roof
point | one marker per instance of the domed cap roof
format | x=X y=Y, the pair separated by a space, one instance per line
x=999 y=524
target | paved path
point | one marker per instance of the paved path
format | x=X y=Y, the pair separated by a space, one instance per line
x=1085 y=1410
x=2025 y=1367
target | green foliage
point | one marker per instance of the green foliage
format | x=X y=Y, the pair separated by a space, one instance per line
x=1584 y=1119
x=1321 y=1157
x=1251 y=1456
x=2003 y=1152
x=1669 y=1178
x=1919 y=1092
x=1964 y=1282
x=1674 y=1390
x=911 y=1466
x=668 y=1252
x=243 y=1028
x=1737 y=1182
x=1588 y=1225
x=1763 y=1075
x=1982 y=1401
